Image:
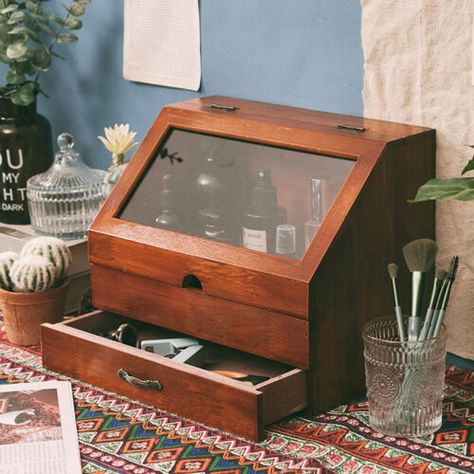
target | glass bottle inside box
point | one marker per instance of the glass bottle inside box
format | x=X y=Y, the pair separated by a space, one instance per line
x=238 y=193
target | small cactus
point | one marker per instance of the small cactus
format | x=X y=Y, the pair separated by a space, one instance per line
x=6 y=261
x=33 y=273
x=52 y=248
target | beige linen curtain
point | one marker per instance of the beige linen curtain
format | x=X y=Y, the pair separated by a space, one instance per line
x=418 y=65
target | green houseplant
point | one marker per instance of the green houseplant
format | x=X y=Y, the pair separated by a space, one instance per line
x=30 y=32
x=461 y=188
x=33 y=287
x=28 y=36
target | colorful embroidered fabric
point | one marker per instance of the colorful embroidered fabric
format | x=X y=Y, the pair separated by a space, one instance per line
x=118 y=435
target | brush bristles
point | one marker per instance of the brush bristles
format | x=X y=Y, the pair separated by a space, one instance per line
x=420 y=255
x=392 y=270
x=453 y=268
x=440 y=274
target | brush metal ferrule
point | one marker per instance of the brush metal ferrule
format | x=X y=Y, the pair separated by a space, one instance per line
x=418 y=289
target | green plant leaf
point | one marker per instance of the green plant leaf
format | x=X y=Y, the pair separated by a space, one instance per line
x=11 y=77
x=56 y=18
x=67 y=38
x=77 y=9
x=20 y=30
x=42 y=60
x=469 y=166
x=461 y=189
x=16 y=17
x=17 y=50
x=11 y=8
x=32 y=6
x=73 y=23
x=24 y=95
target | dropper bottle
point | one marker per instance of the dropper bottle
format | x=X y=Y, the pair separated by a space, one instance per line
x=168 y=217
x=263 y=216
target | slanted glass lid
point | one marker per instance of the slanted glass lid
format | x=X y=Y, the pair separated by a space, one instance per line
x=260 y=197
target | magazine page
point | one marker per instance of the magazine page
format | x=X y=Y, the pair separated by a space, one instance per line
x=38 y=429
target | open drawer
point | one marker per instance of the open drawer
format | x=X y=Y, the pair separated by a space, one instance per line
x=77 y=348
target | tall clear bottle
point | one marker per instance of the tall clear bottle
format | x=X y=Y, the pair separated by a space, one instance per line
x=168 y=217
x=264 y=215
x=312 y=226
x=64 y=200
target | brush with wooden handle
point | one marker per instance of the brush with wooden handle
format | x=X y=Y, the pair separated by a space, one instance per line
x=437 y=286
x=444 y=304
x=393 y=272
x=420 y=257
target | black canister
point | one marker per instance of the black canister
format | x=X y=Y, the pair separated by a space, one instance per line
x=25 y=150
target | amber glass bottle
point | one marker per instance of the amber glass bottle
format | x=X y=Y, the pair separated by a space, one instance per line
x=25 y=150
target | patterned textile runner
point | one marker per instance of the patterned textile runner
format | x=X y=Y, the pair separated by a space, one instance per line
x=118 y=435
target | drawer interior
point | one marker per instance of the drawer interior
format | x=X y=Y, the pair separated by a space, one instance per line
x=222 y=361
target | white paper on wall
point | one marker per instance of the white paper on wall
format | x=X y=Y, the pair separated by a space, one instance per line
x=162 y=43
x=417 y=69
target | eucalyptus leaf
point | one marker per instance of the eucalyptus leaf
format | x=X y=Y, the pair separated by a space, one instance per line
x=20 y=30
x=73 y=23
x=24 y=95
x=76 y=9
x=30 y=32
x=56 y=18
x=67 y=38
x=469 y=166
x=42 y=60
x=32 y=6
x=12 y=77
x=17 y=50
x=461 y=189
x=15 y=18
x=11 y=8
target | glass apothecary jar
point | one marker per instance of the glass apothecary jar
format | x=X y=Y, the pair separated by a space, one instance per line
x=64 y=200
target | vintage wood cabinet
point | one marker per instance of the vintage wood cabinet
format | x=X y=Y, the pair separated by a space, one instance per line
x=187 y=243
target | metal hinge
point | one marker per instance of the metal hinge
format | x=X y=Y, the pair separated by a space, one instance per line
x=226 y=108
x=353 y=128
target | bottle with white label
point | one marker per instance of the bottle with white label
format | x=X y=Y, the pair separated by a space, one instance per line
x=264 y=215
x=312 y=226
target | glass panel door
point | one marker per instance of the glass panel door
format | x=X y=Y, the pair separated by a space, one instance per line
x=261 y=197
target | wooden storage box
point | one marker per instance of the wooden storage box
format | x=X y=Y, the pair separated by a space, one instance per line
x=187 y=242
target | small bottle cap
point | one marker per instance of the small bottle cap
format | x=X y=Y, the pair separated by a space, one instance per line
x=285 y=239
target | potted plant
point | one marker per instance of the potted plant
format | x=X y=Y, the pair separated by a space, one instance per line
x=29 y=35
x=33 y=287
x=461 y=188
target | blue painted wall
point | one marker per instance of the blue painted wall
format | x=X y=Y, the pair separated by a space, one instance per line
x=304 y=53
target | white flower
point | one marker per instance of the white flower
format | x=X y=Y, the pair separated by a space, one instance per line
x=118 y=139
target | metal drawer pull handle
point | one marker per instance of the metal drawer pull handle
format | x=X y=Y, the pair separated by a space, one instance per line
x=156 y=384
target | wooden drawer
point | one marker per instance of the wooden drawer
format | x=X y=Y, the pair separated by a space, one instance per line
x=77 y=349
x=261 y=332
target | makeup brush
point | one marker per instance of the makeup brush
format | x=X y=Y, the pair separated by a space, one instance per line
x=437 y=285
x=393 y=272
x=439 y=302
x=451 y=277
x=419 y=257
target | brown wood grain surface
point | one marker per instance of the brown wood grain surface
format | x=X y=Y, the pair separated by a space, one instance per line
x=192 y=392
x=307 y=313
x=267 y=334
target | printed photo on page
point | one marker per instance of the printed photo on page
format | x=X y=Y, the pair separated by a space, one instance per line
x=38 y=429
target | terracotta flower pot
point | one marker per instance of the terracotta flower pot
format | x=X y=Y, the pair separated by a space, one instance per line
x=23 y=313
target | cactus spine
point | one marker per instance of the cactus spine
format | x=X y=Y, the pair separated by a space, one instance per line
x=6 y=261
x=33 y=273
x=52 y=248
